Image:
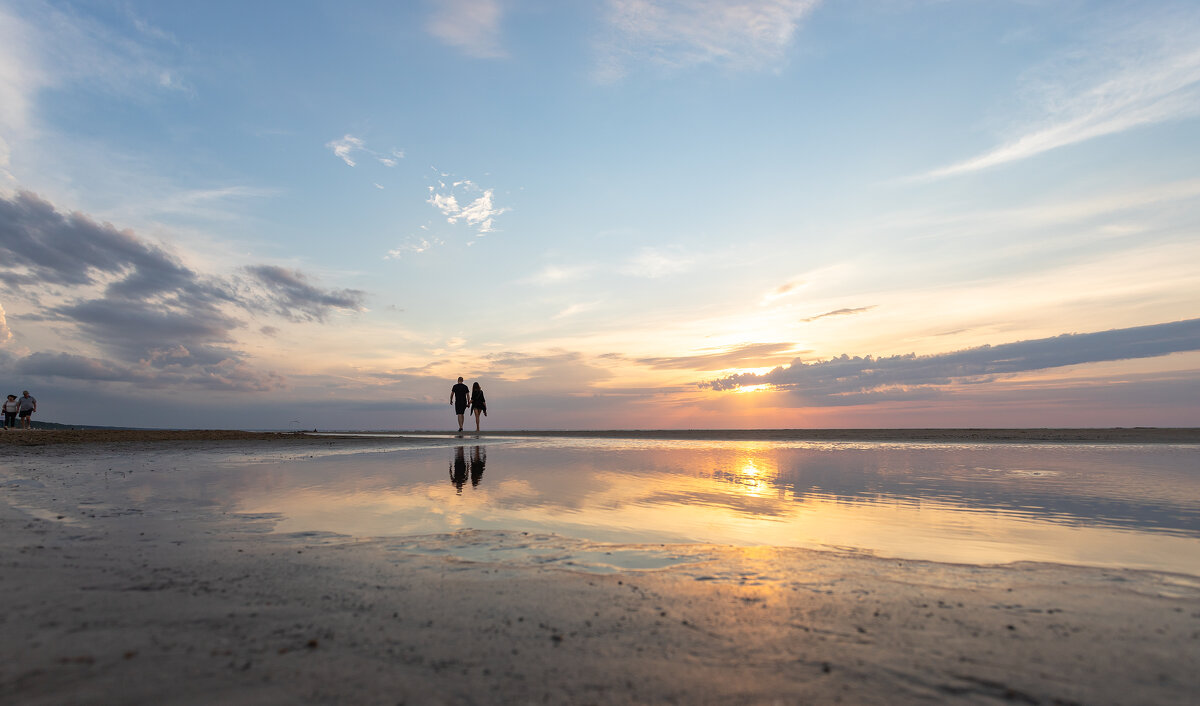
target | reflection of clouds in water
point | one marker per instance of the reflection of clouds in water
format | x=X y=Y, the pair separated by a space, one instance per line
x=958 y=503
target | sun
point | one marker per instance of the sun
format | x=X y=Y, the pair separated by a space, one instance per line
x=751 y=388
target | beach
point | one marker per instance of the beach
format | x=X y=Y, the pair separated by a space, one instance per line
x=114 y=601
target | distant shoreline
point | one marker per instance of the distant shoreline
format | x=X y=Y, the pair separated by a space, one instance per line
x=1119 y=435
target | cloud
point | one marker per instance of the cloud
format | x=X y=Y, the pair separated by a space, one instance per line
x=556 y=274
x=414 y=246
x=42 y=246
x=470 y=25
x=71 y=366
x=390 y=160
x=1145 y=73
x=657 y=262
x=750 y=355
x=574 y=309
x=675 y=34
x=480 y=212
x=838 y=312
x=855 y=380
x=297 y=299
x=45 y=47
x=346 y=146
x=155 y=320
x=784 y=290
x=5 y=332
x=21 y=75
x=227 y=374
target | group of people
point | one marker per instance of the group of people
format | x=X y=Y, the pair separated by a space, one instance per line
x=22 y=408
x=463 y=398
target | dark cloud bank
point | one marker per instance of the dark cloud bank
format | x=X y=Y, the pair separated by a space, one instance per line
x=856 y=380
x=157 y=321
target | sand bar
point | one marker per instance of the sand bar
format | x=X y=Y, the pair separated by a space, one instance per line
x=108 y=603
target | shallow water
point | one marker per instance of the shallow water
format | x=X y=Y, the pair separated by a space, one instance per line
x=1135 y=506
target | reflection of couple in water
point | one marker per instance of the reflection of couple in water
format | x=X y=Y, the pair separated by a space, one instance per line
x=458 y=467
x=459 y=398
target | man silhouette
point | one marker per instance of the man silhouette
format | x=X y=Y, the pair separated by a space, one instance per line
x=458 y=398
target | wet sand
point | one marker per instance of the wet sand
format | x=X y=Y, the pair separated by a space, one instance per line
x=108 y=603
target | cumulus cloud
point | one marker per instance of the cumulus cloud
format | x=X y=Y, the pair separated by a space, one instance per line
x=1142 y=73
x=480 y=211
x=155 y=320
x=472 y=26
x=674 y=34
x=856 y=380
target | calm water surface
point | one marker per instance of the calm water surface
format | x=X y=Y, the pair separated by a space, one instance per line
x=1108 y=505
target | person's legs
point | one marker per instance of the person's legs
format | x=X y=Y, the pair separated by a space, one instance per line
x=476 y=419
x=460 y=422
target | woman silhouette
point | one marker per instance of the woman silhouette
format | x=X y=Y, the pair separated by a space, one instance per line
x=478 y=403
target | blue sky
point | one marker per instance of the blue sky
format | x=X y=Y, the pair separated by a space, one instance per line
x=274 y=215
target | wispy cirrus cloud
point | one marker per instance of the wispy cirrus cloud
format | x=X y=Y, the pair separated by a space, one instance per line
x=576 y=309
x=414 y=246
x=657 y=262
x=21 y=74
x=838 y=312
x=786 y=289
x=472 y=26
x=1142 y=73
x=857 y=380
x=558 y=274
x=675 y=34
x=749 y=355
x=43 y=47
x=347 y=146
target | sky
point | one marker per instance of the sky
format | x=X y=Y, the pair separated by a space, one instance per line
x=648 y=214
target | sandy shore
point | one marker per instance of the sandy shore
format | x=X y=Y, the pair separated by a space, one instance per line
x=111 y=603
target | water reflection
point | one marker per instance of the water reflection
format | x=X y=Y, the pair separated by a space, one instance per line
x=458 y=467
x=1129 y=505
x=478 y=459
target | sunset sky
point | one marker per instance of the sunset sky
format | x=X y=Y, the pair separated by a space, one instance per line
x=612 y=214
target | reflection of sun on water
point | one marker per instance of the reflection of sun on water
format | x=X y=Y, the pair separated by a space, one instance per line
x=752 y=477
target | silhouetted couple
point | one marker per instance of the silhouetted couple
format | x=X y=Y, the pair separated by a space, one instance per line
x=462 y=398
